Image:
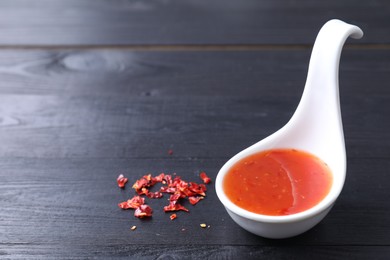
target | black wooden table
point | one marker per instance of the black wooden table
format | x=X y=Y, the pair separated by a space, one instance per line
x=92 y=89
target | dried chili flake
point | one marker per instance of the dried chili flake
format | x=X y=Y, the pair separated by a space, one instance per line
x=174 y=206
x=193 y=200
x=167 y=180
x=197 y=188
x=132 y=203
x=182 y=188
x=170 y=151
x=204 y=177
x=154 y=195
x=143 y=211
x=139 y=184
x=173 y=216
x=167 y=189
x=124 y=205
x=175 y=197
x=148 y=177
x=143 y=191
x=159 y=178
x=151 y=180
x=121 y=180
x=178 y=181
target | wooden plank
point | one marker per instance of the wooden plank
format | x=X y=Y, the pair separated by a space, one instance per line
x=72 y=202
x=197 y=252
x=203 y=104
x=148 y=127
x=177 y=22
x=158 y=73
x=112 y=73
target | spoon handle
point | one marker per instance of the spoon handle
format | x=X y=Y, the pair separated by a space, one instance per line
x=318 y=115
x=322 y=77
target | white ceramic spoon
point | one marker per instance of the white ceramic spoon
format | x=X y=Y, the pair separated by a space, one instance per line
x=315 y=127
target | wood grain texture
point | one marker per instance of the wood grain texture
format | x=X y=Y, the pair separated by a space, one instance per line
x=124 y=104
x=200 y=252
x=71 y=202
x=92 y=89
x=72 y=120
x=178 y=22
x=134 y=128
x=153 y=74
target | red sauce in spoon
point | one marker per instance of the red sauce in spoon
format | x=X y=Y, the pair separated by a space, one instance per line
x=278 y=182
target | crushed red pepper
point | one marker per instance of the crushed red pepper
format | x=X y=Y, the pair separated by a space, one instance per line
x=193 y=200
x=174 y=205
x=132 y=203
x=121 y=180
x=154 y=195
x=173 y=216
x=204 y=177
x=143 y=211
x=178 y=188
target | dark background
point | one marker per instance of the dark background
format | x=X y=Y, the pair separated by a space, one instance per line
x=92 y=89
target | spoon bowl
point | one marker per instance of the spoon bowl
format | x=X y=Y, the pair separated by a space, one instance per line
x=315 y=127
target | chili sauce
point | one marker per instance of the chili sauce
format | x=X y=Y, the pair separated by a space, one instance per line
x=278 y=182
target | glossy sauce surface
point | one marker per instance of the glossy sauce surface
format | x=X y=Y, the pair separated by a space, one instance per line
x=278 y=182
